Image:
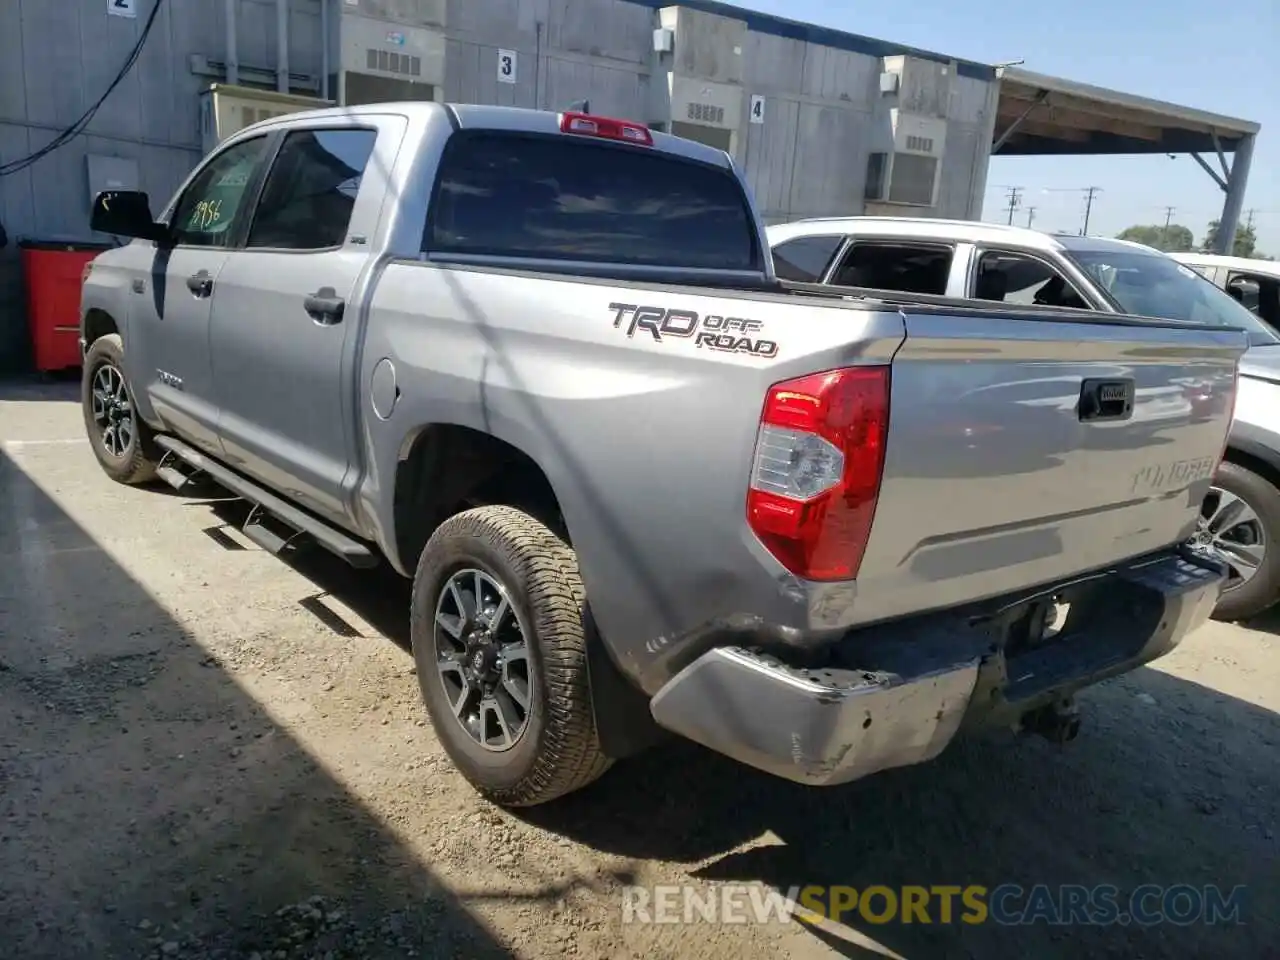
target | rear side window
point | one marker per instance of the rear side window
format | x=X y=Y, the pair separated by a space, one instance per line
x=311 y=190
x=902 y=267
x=566 y=198
x=805 y=258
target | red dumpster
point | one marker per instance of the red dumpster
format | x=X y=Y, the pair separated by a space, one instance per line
x=53 y=271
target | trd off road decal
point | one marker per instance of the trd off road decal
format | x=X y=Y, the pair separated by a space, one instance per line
x=714 y=332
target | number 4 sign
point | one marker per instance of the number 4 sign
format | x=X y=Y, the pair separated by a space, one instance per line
x=122 y=8
x=757 y=108
x=506 y=66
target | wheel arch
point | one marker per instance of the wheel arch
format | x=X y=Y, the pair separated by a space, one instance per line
x=445 y=468
x=1256 y=457
x=98 y=323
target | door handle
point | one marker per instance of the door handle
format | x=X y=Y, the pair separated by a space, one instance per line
x=325 y=306
x=200 y=283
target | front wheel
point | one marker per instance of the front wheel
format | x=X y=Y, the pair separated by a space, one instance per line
x=121 y=441
x=500 y=644
x=1240 y=526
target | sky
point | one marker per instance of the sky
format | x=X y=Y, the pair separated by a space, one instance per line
x=1222 y=58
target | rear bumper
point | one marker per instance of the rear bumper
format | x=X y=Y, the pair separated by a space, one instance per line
x=897 y=694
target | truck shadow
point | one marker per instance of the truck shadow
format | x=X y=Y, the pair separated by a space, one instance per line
x=148 y=800
x=1170 y=783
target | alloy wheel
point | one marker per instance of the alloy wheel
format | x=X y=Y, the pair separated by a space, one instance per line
x=483 y=659
x=1231 y=531
x=112 y=410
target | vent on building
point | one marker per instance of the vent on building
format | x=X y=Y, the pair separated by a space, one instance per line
x=920 y=144
x=913 y=179
x=906 y=178
x=252 y=115
x=364 y=88
x=387 y=61
x=715 y=137
x=705 y=113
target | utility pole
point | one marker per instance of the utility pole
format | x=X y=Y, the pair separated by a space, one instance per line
x=1031 y=215
x=1168 y=216
x=1248 y=218
x=1088 y=208
x=1015 y=197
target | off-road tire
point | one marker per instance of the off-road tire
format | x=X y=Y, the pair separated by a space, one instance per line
x=1261 y=592
x=138 y=462
x=559 y=751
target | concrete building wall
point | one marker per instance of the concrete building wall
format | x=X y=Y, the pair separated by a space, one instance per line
x=58 y=56
x=824 y=110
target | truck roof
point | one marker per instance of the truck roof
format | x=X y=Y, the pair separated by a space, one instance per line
x=925 y=228
x=483 y=116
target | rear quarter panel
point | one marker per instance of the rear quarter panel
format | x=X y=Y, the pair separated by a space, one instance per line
x=647 y=442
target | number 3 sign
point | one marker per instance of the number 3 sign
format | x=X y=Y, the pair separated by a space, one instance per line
x=506 y=66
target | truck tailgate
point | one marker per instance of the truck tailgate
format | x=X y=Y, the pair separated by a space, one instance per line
x=1024 y=450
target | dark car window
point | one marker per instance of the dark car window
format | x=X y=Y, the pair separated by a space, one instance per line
x=1153 y=285
x=895 y=265
x=569 y=198
x=311 y=190
x=209 y=207
x=1021 y=279
x=805 y=258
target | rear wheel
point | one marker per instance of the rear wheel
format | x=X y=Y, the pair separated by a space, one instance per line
x=121 y=441
x=1240 y=526
x=501 y=650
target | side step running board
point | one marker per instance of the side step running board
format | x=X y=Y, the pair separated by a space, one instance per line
x=263 y=500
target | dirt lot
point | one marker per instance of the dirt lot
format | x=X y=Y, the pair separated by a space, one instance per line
x=205 y=752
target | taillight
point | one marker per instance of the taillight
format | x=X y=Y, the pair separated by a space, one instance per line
x=605 y=127
x=816 y=473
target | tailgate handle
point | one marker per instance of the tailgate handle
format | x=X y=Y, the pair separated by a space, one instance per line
x=1106 y=400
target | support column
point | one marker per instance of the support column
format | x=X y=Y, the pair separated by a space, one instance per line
x=282 y=45
x=233 y=55
x=1236 y=183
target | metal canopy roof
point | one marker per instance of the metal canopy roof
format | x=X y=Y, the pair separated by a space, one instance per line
x=1042 y=115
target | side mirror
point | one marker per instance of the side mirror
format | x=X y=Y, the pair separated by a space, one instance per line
x=125 y=213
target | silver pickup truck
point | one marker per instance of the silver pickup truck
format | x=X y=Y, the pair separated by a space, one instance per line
x=541 y=364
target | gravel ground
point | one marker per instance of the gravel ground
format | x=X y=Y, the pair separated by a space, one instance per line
x=208 y=753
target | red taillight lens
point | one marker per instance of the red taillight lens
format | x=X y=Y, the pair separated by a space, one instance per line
x=816 y=473
x=605 y=127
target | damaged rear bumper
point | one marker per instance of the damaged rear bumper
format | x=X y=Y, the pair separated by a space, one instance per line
x=897 y=694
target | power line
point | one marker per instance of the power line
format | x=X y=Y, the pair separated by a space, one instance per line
x=78 y=127
x=1088 y=208
x=1089 y=192
x=1015 y=198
